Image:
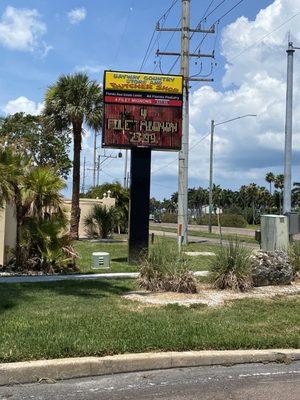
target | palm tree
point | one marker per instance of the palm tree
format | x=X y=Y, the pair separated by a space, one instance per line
x=42 y=187
x=270 y=178
x=71 y=102
x=279 y=184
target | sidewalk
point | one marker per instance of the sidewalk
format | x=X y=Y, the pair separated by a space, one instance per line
x=56 y=278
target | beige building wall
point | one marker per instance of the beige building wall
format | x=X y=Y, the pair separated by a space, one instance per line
x=8 y=227
x=86 y=205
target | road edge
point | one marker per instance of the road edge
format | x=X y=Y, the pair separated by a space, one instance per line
x=68 y=368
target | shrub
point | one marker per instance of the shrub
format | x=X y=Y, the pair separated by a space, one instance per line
x=164 y=269
x=44 y=247
x=226 y=220
x=100 y=222
x=294 y=256
x=271 y=268
x=231 y=268
x=169 y=218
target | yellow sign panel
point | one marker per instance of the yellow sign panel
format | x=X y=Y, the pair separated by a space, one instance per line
x=136 y=82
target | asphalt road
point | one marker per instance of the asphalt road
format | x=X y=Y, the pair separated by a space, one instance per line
x=239 y=382
x=204 y=228
x=199 y=239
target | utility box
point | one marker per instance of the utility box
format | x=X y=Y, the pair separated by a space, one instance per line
x=294 y=223
x=274 y=232
x=101 y=260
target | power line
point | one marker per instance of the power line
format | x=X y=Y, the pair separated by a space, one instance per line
x=265 y=36
x=190 y=149
x=124 y=30
x=204 y=17
x=217 y=22
x=163 y=17
x=169 y=41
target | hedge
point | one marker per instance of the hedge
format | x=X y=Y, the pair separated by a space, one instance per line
x=226 y=220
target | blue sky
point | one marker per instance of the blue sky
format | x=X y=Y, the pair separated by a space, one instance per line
x=54 y=37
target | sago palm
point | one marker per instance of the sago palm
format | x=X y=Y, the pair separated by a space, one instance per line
x=71 y=102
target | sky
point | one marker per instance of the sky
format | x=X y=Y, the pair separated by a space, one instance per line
x=41 y=39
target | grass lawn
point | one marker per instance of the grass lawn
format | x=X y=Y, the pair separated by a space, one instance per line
x=118 y=252
x=68 y=319
x=225 y=236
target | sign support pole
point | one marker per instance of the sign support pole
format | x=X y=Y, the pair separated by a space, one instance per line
x=140 y=168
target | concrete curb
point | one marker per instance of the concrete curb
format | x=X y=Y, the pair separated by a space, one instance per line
x=35 y=371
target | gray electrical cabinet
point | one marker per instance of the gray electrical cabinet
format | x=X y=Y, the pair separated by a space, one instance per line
x=274 y=232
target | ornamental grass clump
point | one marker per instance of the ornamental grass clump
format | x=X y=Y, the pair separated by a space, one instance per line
x=231 y=268
x=294 y=257
x=165 y=269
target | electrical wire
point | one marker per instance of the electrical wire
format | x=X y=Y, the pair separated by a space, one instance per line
x=169 y=42
x=149 y=48
x=191 y=148
x=206 y=34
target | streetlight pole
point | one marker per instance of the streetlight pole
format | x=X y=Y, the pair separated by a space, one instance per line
x=287 y=189
x=212 y=131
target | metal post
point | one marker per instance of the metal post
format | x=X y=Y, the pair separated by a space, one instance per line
x=95 y=161
x=98 y=170
x=211 y=161
x=287 y=201
x=183 y=154
x=138 y=238
x=125 y=169
x=83 y=177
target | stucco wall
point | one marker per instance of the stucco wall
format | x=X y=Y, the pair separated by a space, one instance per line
x=86 y=206
x=7 y=232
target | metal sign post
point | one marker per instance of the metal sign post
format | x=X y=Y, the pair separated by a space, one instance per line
x=140 y=168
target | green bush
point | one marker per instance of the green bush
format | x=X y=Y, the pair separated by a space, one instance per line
x=100 y=222
x=226 y=220
x=169 y=218
x=231 y=268
x=165 y=269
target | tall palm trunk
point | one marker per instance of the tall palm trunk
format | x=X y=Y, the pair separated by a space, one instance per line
x=75 y=209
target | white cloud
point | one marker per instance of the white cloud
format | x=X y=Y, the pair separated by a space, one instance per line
x=23 y=104
x=90 y=68
x=21 y=29
x=77 y=15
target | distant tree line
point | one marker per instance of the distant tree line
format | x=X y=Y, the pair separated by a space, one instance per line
x=250 y=201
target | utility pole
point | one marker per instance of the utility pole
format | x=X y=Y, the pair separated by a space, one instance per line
x=184 y=152
x=212 y=129
x=98 y=169
x=83 y=177
x=287 y=190
x=183 y=156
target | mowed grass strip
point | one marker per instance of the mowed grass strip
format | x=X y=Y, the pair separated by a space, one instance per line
x=80 y=318
x=225 y=236
x=119 y=251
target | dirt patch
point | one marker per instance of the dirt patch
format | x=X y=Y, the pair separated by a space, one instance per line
x=211 y=297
